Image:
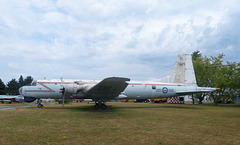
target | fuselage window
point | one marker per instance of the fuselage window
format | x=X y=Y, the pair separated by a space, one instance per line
x=153 y=87
x=34 y=83
x=55 y=83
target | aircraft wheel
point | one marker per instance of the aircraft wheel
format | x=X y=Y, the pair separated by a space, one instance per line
x=40 y=105
x=97 y=106
x=104 y=107
x=146 y=101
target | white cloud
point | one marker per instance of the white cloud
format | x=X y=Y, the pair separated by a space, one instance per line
x=96 y=39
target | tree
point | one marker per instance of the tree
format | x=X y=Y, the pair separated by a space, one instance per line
x=203 y=75
x=227 y=80
x=196 y=55
x=21 y=81
x=225 y=77
x=12 y=87
x=206 y=77
x=2 y=88
x=28 y=80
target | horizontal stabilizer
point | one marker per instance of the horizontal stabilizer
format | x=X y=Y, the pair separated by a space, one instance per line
x=199 y=90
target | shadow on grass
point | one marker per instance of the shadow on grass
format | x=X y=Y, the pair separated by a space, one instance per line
x=89 y=108
x=118 y=108
x=112 y=108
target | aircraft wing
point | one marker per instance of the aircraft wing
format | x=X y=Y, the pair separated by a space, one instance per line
x=108 y=88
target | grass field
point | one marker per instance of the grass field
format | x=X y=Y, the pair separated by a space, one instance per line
x=124 y=123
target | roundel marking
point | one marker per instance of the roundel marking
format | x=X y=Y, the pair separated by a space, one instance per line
x=165 y=90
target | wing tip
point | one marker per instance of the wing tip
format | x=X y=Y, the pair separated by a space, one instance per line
x=119 y=78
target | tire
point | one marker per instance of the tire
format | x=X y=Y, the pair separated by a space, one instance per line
x=97 y=106
x=40 y=105
x=104 y=107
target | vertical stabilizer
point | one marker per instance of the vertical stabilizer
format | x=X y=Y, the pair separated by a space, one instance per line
x=190 y=77
x=183 y=71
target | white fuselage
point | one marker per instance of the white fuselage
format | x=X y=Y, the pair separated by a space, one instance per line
x=134 y=90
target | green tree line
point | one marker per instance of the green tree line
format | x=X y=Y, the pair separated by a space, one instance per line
x=11 y=88
x=227 y=78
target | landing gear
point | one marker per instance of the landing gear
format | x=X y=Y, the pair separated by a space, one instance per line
x=39 y=103
x=100 y=106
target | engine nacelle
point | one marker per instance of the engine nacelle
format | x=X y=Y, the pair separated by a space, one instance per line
x=29 y=99
x=77 y=88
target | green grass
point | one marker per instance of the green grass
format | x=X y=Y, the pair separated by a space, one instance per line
x=14 y=104
x=124 y=123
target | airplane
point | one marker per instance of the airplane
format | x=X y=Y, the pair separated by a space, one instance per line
x=180 y=82
x=10 y=99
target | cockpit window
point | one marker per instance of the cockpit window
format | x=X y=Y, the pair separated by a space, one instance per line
x=34 y=83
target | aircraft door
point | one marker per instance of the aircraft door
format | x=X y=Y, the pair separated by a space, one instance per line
x=156 y=91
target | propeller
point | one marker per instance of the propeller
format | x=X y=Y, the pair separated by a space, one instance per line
x=62 y=90
x=63 y=95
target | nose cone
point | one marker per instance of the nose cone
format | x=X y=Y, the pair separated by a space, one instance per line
x=20 y=91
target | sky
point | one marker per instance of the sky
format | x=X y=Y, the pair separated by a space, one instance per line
x=92 y=39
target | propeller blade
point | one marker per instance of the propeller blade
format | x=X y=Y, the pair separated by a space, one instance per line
x=63 y=95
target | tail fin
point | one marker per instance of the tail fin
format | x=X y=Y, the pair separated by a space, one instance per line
x=183 y=71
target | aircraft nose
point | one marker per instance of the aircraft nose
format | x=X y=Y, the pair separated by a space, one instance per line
x=20 y=91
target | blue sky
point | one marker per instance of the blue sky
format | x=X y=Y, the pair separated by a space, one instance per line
x=97 y=39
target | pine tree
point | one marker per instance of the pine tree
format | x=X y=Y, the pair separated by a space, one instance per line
x=12 y=87
x=21 y=81
x=2 y=88
x=28 y=80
